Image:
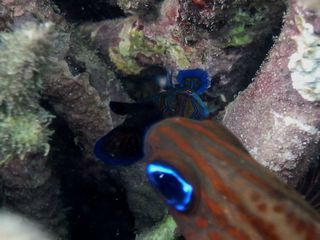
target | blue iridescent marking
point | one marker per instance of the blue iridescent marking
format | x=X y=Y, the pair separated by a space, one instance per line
x=176 y=190
x=99 y=152
x=109 y=158
x=124 y=144
x=196 y=80
x=200 y=109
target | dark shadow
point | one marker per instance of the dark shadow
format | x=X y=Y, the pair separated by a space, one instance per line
x=88 y=10
x=96 y=205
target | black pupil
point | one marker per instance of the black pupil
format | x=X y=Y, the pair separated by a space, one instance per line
x=170 y=187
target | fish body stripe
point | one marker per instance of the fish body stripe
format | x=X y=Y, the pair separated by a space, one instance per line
x=236 y=198
x=217 y=182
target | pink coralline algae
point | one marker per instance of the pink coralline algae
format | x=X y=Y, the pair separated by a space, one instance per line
x=278 y=116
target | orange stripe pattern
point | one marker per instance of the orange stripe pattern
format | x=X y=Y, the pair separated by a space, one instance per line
x=235 y=197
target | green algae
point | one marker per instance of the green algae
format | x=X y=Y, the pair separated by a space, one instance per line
x=244 y=25
x=23 y=122
x=135 y=43
x=165 y=230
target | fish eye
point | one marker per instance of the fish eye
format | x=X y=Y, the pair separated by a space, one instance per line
x=176 y=190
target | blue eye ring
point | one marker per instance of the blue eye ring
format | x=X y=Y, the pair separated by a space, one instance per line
x=181 y=196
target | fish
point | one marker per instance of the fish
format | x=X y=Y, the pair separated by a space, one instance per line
x=216 y=191
x=123 y=145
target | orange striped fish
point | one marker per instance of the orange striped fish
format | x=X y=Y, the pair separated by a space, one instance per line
x=217 y=191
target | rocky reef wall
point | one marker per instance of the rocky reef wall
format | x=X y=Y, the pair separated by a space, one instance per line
x=59 y=72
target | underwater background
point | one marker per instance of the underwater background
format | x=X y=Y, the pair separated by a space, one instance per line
x=159 y=119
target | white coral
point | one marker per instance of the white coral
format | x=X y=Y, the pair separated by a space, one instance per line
x=304 y=64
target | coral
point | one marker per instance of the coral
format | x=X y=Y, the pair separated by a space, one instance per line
x=23 y=134
x=23 y=121
x=210 y=15
x=228 y=38
x=313 y=5
x=164 y=230
x=174 y=41
x=23 y=11
x=277 y=116
x=79 y=87
x=135 y=46
x=80 y=104
x=102 y=75
x=28 y=186
x=5 y=18
x=304 y=64
x=137 y=6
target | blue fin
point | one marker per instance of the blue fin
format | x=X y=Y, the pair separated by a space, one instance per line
x=196 y=80
x=121 y=146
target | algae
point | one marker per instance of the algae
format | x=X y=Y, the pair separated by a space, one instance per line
x=243 y=27
x=135 y=43
x=23 y=122
x=164 y=230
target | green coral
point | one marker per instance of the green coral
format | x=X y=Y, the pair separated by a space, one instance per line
x=243 y=23
x=23 y=122
x=134 y=42
x=165 y=230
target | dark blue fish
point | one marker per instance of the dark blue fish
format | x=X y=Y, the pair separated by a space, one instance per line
x=124 y=144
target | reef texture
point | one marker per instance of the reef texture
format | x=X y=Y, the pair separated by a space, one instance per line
x=90 y=62
x=73 y=98
x=27 y=183
x=277 y=117
x=23 y=121
x=21 y=11
x=218 y=36
x=28 y=187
